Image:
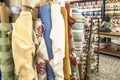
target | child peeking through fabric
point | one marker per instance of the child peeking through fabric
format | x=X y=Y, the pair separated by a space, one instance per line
x=105 y=25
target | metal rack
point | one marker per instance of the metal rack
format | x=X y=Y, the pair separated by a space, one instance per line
x=91 y=53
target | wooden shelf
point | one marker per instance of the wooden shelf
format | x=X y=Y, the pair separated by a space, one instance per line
x=74 y=1
x=105 y=51
x=110 y=33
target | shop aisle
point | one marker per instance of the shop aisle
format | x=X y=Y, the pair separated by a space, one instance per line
x=109 y=68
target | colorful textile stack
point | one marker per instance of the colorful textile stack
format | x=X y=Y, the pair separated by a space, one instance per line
x=6 y=58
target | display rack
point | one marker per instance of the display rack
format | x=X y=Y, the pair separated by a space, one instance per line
x=94 y=42
x=91 y=52
x=91 y=10
x=111 y=8
x=110 y=35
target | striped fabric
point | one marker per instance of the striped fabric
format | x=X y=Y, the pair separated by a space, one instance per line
x=78 y=35
x=6 y=59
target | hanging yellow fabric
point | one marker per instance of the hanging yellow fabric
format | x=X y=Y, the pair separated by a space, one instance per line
x=66 y=61
x=23 y=46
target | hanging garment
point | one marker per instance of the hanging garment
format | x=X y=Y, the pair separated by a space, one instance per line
x=23 y=46
x=41 y=51
x=66 y=62
x=73 y=60
x=44 y=14
x=6 y=59
x=58 y=41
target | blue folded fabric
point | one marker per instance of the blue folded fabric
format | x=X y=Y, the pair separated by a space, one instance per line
x=0 y=74
x=45 y=15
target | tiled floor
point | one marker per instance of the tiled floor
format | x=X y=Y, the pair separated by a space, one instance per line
x=109 y=68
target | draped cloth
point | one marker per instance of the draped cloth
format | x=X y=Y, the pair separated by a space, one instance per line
x=58 y=41
x=23 y=46
x=45 y=15
x=41 y=50
x=66 y=62
x=73 y=60
x=6 y=59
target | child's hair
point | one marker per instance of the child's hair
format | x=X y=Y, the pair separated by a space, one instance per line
x=107 y=18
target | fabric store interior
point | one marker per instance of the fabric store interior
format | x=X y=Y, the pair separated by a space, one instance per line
x=59 y=39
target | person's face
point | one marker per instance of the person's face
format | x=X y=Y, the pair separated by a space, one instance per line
x=96 y=23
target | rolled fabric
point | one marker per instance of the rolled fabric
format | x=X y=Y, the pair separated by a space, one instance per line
x=13 y=3
x=57 y=36
x=41 y=51
x=66 y=62
x=78 y=37
x=15 y=13
x=31 y=3
x=15 y=10
x=23 y=46
x=6 y=58
x=73 y=59
x=3 y=14
x=45 y=15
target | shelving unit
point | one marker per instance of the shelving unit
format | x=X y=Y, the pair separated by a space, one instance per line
x=105 y=51
x=89 y=8
x=111 y=8
x=110 y=35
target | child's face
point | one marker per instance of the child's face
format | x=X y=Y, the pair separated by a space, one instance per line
x=119 y=21
x=96 y=23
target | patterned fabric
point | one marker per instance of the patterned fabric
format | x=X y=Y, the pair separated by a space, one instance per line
x=57 y=36
x=6 y=59
x=23 y=46
x=73 y=59
x=44 y=14
x=78 y=35
x=41 y=50
x=66 y=62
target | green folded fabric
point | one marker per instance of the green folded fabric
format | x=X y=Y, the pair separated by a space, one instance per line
x=6 y=59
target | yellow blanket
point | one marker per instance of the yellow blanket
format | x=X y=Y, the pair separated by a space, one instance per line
x=23 y=46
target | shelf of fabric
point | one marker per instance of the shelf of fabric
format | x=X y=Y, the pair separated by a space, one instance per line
x=110 y=34
x=116 y=34
x=105 y=51
x=79 y=1
x=86 y=10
